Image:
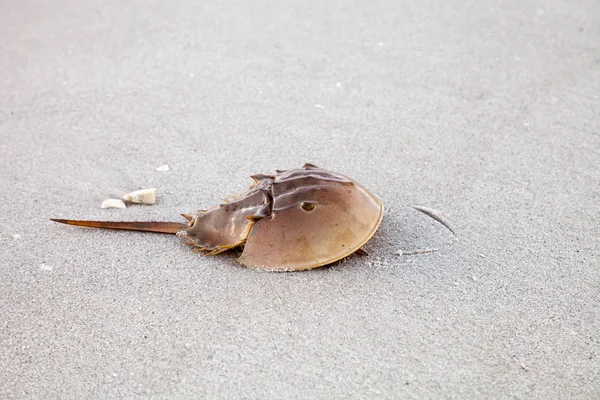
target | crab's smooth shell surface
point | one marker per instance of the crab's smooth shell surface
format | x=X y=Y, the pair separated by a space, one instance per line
x=342 y=217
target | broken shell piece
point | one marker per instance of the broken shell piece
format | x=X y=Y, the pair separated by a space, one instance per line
x=163 y=168
x=143 y=196
x=113 y=203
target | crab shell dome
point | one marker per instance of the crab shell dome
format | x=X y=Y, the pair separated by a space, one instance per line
x=318 y=217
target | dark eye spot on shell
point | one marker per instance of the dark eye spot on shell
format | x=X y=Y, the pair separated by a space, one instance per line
x=308 y=206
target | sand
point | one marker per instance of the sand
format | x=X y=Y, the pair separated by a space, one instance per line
x=484 y=111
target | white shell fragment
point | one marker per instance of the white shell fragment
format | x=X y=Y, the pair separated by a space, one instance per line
x=113 y=203
x=46 y=267
x=143 y=196
x=163 y=168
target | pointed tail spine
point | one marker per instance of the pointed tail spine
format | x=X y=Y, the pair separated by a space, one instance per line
x=156 y=227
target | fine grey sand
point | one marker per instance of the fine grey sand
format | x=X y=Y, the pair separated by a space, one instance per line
x=485 y=111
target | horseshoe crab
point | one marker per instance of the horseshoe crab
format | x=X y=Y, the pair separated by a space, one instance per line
x=293 y=220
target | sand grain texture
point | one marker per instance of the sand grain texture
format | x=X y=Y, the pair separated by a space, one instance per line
x=485 y=111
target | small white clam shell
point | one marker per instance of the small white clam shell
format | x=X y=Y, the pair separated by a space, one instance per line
x=163 y=168
x=113 y=203
x=143 y=196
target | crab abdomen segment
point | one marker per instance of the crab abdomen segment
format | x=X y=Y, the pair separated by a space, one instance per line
x=228 y=225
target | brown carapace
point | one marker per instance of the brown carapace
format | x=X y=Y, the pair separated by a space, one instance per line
x=293 y=220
